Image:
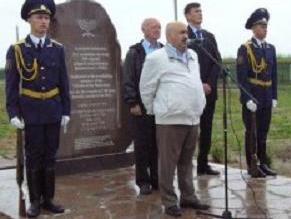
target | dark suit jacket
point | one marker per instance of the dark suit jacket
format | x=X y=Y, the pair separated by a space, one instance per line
x=209 y=71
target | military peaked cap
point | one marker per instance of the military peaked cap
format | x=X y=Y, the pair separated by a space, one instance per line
x=30 y=7
x=259 y=16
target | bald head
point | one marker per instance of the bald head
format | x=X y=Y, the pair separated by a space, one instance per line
x=177 y=35
x=151 y=29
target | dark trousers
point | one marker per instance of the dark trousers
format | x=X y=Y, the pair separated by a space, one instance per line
x=263 y=119
x=145 y=150
x=41 y=145
x=205 y=135
x=176 y=144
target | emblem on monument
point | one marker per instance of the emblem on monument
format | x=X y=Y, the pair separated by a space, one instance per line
x=88 y=26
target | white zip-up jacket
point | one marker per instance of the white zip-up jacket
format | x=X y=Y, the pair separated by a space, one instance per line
x=171 y=87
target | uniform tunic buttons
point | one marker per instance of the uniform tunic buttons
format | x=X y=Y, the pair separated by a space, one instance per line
x=42 y=77
x=41 y=68
x=42 y=88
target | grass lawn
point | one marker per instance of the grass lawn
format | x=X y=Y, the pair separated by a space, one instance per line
x=279 y=138
x=7 y=133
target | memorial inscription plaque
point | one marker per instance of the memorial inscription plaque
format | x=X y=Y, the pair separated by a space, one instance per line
x=98 y=124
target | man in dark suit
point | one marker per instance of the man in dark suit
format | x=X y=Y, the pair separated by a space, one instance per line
x=257 y=72
x=37 y=100
x=209 y=72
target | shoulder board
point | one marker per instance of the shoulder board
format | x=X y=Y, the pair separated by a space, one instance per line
x=269 y=44
x=248 y=42
x=20 y=42
x=56 y=43
x=23 y=41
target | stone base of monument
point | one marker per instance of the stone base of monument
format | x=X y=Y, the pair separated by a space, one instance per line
x=94 y=163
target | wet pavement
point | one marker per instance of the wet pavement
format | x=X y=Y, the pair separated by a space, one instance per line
x=112 y=194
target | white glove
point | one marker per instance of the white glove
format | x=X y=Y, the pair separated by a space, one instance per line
x=274 y=103
x=65 y=120
x=16 y=122
x=251 y=106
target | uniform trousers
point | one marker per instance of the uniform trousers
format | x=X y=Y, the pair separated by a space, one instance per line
x=263 y=120
x=41 y=145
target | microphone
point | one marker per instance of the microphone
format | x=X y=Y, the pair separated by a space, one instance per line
x=190 y=42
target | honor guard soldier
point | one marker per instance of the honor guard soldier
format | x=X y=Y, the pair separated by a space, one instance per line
x=257 y=72
x=37 y=100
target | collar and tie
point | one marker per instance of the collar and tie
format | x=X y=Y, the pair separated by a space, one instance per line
x=260 y=43
x=39 y=45
x=198 y=34
x=38 y=42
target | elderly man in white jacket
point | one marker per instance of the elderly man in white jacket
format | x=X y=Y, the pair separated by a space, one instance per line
x=171 y=89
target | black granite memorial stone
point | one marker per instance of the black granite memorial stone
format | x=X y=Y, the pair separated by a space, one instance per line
x=98 y=125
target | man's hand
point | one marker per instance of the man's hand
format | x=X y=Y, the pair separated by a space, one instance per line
x=274 y=103
x=16 y=122
x=251 y=106
x=136 y=110
x=206 y=88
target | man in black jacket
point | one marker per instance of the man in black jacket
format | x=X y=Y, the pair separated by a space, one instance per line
x=209 y=72
x=142 y=125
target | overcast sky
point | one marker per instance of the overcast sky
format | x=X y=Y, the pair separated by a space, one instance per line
x=225 y=18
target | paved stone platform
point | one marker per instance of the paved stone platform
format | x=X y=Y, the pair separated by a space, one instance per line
x=7 y=163
x=112 y=194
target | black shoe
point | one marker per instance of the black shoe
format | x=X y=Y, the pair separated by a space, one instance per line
x=145 y=189
x=268 y=171
x=50 y=206
x=49 y=191
x=207 y=171
x=256 y=172
x=34 y=209
x=194 y=205
x=174 y=211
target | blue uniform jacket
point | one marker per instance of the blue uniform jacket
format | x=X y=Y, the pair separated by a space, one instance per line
x=52 y=74
x=264 y=95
